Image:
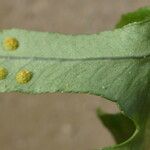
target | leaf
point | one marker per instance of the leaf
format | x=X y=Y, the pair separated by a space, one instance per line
x=113 y=64
x=139 y=15
x=120 y=126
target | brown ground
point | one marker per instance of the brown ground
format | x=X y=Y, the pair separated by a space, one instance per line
x=56 y=121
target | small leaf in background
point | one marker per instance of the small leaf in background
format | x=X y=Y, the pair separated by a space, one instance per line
x=121 y=127
x=139 y=15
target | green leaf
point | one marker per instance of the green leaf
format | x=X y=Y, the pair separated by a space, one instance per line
x=139 y=15
x=113 y=64
x=121 y=127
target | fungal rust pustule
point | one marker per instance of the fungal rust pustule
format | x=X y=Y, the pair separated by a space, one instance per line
x=23 y=76
x=3 y=73
x=10 y=43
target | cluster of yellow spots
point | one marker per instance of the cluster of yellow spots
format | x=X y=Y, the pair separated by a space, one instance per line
x=23 y=76
x=3 y=73
x=10 y=43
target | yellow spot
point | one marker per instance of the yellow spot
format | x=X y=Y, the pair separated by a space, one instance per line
x=10 y=43
x=3 y=73
x=23 y=76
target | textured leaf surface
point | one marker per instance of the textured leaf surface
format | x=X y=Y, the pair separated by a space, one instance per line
x=113 y=64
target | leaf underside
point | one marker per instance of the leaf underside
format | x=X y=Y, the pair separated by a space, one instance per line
x=113 y=64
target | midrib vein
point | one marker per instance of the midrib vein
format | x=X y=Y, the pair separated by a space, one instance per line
x=72 y=59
